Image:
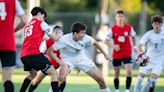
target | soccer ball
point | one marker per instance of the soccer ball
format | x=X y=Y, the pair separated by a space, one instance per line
x=142 y=60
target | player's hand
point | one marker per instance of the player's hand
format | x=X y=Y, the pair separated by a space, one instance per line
x=116 y=47
x=107 y=57
x=135 y=50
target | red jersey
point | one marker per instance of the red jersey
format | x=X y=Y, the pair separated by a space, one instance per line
x=49 y=43
x=7 y=15
x=121 y=37
x=33 y=36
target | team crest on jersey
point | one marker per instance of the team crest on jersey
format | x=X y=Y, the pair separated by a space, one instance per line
x=121 y=39
x=125 y=33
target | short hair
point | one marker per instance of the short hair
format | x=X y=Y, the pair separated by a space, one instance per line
x=156 y=18
x=78 y=26
x=119 y=12
x=36 y=10
x=57 y=27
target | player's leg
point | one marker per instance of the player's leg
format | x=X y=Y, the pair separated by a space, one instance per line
x=28 y=79
x=156 y=71
x=40 y=62
x=139 y=80
x=116 y=65
x=8 y=63
x=142 y=72
x=96 y=75
x=63 y=73
x=128 y=67
x=38 y=78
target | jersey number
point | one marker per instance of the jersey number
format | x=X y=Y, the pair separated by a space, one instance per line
x=3 y=13
x=28 y=31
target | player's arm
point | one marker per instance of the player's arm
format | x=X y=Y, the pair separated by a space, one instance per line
x=133 y=35
x=22 y=23
x=109 y=43
x=101 y=50
x=45 y=27
x=21 y=16
x=143 y=42
x=53 y=55
x=53 y=36
x=140 y=48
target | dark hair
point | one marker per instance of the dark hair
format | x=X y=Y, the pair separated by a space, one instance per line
x=78 y=26
x=56 y=27
x=36 y=10
x=156 y=18
x=119 y=12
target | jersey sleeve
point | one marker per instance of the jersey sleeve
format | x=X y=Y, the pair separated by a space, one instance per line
x=109 y=35
x=59 y=44
x=132 y=32
x=145 y=38
x=19 y=9
x=45 y=28
x=43 y=47
x=89 y=40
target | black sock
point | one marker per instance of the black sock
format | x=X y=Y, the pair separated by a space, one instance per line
x=116 y=83
x=25 y=85
x=54 y=86
x=128 y=82
x=62 y=86
x=9 y=86
x=151 y=89
x=32 y=88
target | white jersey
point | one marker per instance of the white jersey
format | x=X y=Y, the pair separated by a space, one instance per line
x=155 y=45
x=70 y=48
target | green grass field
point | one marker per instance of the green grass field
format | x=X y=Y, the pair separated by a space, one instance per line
x=81 y=82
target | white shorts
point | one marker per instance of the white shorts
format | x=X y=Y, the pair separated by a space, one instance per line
x=154 y=67
x=83 y=63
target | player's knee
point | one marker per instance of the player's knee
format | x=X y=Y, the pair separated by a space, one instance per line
x=129 y=73
x=61 y=78
x=53 y=73
x=142 y=75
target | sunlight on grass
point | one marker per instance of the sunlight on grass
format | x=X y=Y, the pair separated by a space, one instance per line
x=79 y=83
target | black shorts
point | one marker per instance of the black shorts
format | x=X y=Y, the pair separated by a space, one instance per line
x=118 y=62
x=37 y=62
x=8 y=58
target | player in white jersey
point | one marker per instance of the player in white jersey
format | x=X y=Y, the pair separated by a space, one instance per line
x=155 y=45
x=72 y=52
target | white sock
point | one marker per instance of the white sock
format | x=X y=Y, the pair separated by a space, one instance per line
x=138 y=84
x=117 y=90
x=127 y=90
x=105 y=90
x=50 y=90
x=146 y=86
x=152 y=82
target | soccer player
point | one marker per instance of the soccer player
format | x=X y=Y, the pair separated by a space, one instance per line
x=30 y=55
x=121 y=33
x=72 y=53
x=43 y=48
x=8 y=10
x=155 y=45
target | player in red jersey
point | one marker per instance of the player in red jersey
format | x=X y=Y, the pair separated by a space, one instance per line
x=122 y=49
x=30 y=55
x=8 y=10
x=43 y=48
